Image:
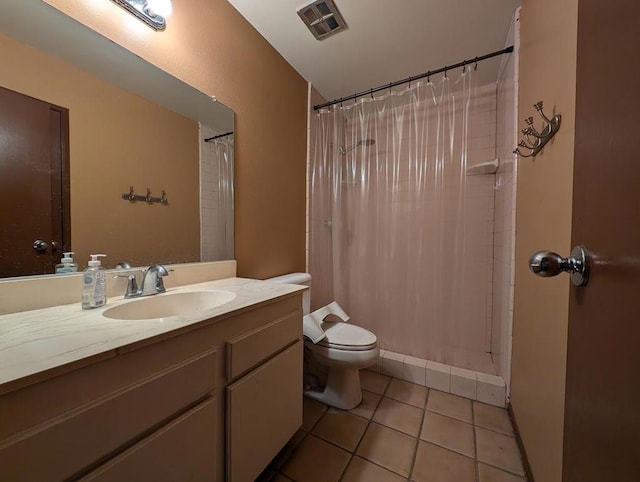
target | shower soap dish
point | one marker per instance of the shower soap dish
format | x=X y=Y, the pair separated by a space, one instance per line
x=486 y=167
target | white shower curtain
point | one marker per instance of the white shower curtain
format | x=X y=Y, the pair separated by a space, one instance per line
x=216 y=196
x=224 y=154
x=389 y=218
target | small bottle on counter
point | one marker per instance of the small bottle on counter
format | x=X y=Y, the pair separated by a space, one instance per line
x=94 y=284
x=67 y=264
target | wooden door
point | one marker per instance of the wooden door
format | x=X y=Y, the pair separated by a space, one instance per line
x=34 y=184
x=602 y=411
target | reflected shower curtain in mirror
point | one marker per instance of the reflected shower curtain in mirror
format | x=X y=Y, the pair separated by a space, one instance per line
x=391 y=219
x=216 y=179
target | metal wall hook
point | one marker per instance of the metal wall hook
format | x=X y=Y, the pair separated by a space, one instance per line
x=538 y=107
x=148 y=198
x=538 y=139
x=519 y=153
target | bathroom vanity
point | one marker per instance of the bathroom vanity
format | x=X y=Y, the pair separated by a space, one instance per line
x=209 y=396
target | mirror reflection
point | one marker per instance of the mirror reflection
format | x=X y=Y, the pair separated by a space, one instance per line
x=88 y=142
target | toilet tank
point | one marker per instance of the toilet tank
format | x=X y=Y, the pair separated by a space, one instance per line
x=298 y=279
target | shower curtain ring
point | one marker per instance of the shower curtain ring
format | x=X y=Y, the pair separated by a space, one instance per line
x=445 y=72
x=464 y=68
x=475 y=67
x=371 y=93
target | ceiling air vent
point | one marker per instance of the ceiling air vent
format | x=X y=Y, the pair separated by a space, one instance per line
x=322 y=18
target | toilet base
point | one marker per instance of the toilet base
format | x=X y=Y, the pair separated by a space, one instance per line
x=342 y=389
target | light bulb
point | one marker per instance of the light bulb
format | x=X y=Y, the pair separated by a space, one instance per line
x=159 y=7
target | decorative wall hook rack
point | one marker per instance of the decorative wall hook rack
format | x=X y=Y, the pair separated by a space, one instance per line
x=149 y=199
x=536 y=140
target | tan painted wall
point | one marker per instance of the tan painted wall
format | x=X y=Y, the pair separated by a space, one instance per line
x=209 y=45
x=543 y=221
x=110 y=134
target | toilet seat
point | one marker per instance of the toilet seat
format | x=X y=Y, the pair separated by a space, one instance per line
x=345 y=336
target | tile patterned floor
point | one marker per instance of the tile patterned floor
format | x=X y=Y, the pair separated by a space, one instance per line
x=400 y=432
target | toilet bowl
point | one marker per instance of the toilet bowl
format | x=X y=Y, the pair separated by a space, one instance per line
x=346 y=349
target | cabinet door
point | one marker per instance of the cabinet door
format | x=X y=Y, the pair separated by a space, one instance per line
x=183 y=450
x=264 y=410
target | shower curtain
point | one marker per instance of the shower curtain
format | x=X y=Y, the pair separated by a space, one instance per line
x=389 y=219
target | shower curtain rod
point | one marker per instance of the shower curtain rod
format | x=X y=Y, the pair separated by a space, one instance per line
x=209 y=139
x=429 y=73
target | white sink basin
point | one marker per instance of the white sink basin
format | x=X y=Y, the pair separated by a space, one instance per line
x=169 y=304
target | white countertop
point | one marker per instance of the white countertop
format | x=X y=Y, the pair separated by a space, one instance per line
x=35 y=341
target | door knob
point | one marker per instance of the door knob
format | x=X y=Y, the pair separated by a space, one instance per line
x=546 y=263
x=40 y=246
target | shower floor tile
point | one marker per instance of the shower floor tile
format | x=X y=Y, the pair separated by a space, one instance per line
x=452 y=443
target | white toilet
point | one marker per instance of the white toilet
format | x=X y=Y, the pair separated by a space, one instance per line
x=334 y=362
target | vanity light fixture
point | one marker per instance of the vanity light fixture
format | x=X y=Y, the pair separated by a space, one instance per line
x=151 y=12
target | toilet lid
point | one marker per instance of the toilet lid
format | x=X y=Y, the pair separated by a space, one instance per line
x=345 y=336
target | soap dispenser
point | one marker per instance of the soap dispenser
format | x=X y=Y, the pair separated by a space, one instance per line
x=94 y=284
x=66 y=264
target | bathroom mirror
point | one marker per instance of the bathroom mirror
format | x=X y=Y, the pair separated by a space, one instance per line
x=129 y=124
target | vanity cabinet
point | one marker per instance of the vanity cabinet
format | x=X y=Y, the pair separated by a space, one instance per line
x=212 y=401
x=180 y=450
x=264 y=395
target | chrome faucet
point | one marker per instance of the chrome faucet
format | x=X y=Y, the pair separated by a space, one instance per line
x=152 y=283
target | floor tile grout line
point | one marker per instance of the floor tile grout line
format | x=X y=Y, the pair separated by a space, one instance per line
x=403 y=403
x=449 y=417
x=293 y=450
x=353 y=453
x=381 y=466
x=322 y=440
x=494 y=431
x=326 y=409
x=475 y=443
x=306 y=434
x=448 y=449
x=471 y=423
x=415 y=451
x=506 y=471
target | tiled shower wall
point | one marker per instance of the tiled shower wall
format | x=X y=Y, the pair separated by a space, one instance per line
x=505 y=199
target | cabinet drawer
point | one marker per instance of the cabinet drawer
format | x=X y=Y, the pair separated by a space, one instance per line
x=249 y=350
x=66 y=444
x=264 y=410
x=183 y=450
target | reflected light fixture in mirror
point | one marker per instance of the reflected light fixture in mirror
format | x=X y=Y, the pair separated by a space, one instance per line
x=151 y=12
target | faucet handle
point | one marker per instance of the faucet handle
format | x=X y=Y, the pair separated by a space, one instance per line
x=132 y=284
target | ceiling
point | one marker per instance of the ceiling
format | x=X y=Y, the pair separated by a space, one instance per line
x=386 y=40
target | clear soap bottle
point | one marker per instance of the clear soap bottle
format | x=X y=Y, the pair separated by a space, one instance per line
x=67 y=265
x=94 y=284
